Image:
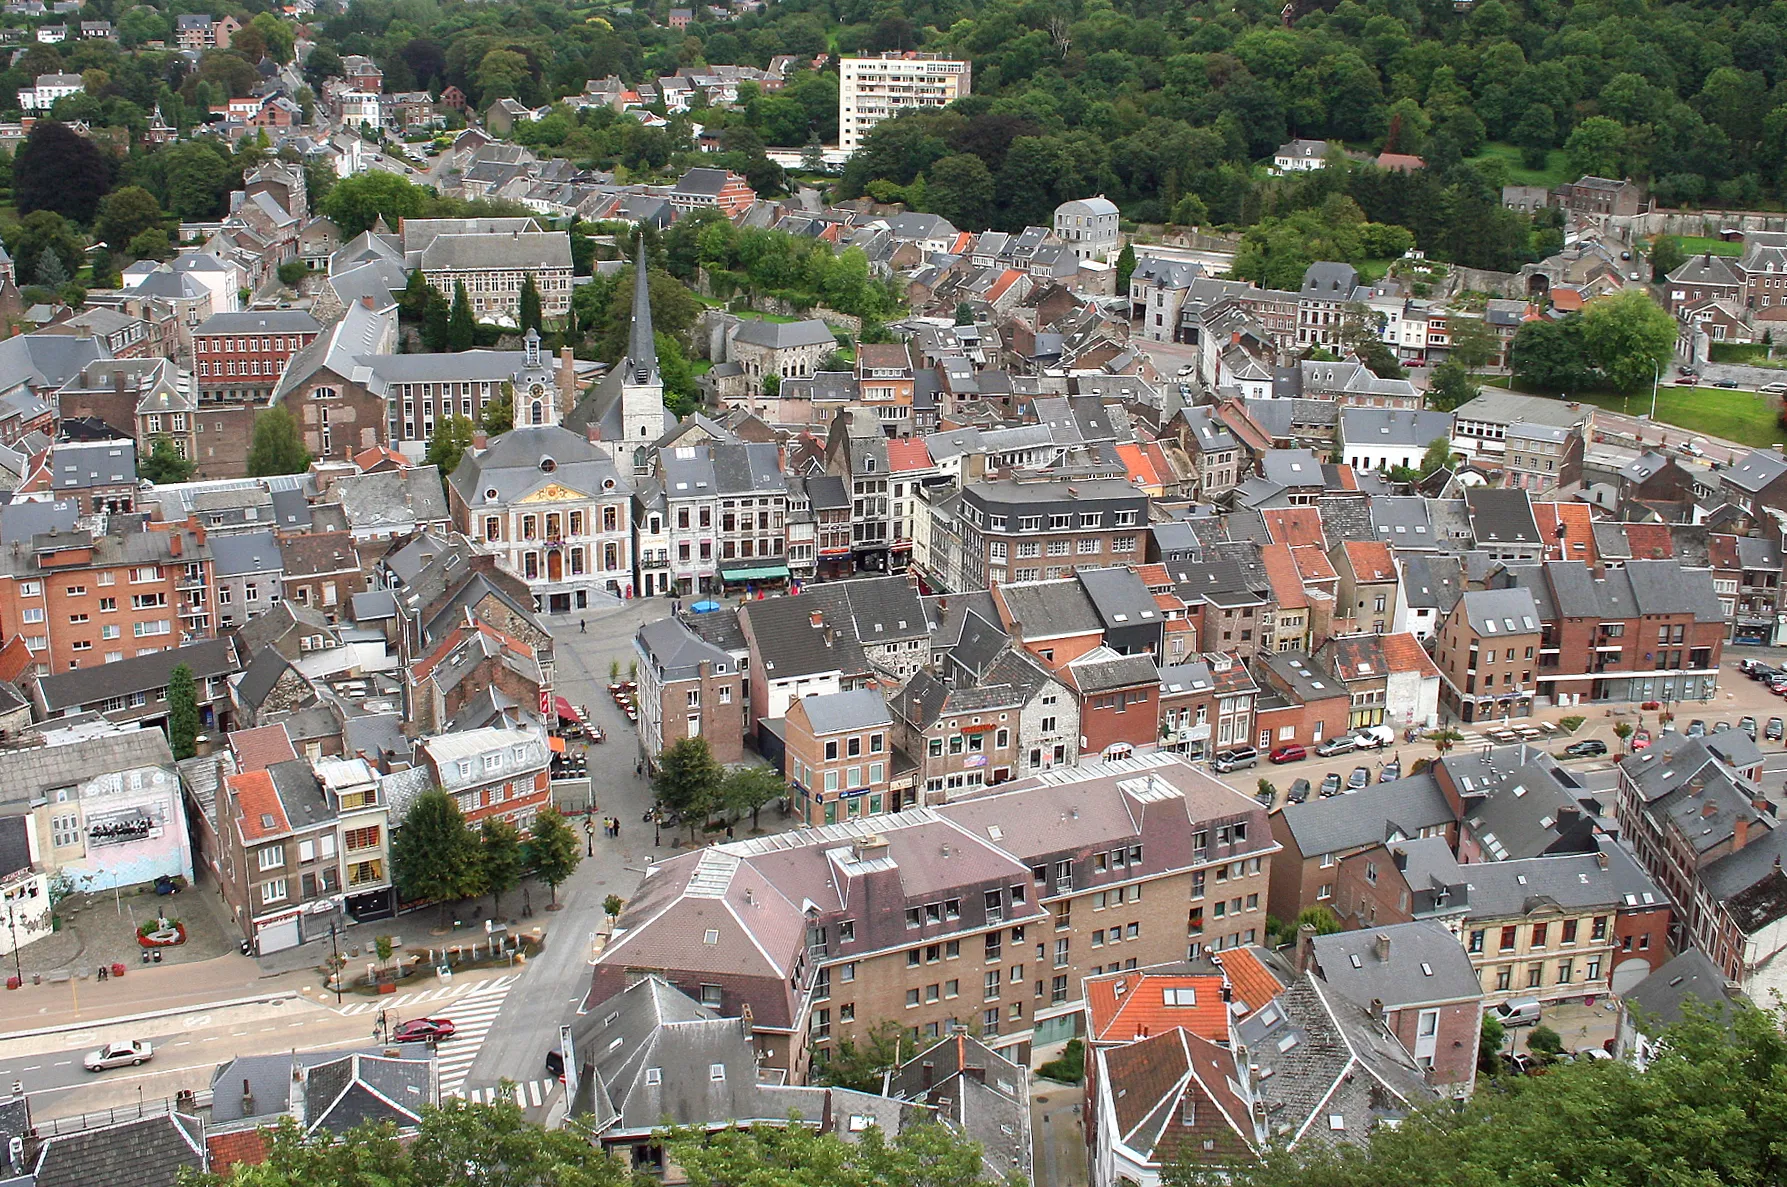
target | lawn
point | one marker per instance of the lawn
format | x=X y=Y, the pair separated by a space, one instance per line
x=1696 y=245
x=1555 y=173
x=1747 y=418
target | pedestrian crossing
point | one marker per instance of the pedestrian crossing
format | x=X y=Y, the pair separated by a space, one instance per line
x=405 y=1001
x=531 y=1095
x=472 y=1017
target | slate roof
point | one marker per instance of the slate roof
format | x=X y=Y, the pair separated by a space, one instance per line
x=1659 y=1000
x=1374 y=814
x=1050 y=609
x=1757 y=470
x=1501 y=517
x=832 y=713
x=784 y=335
x=1501 y=611
x=677 y=651
x=239 y=553
x=392 y=500
x=209 y=659
x=77 y=763
x=1402 y=965
x=1363 y=428
x=148 y=1152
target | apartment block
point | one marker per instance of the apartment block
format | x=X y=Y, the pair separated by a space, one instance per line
x=872 y=89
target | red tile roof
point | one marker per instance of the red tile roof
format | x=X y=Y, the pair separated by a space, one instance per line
x=1139 y=465
x=1404 y=653
x=1281 y=571
x=257 y=749
x=1133 y=1005
x=1370 y=560
x=1295 y=526
x=907 y=453
x=1313 y=564
x=1649 y=541
x=1155 y=577
x=257 y=804
x=227 y=1149
x=1006 y=279
x=15 y=659
x=1253 y=984
x=1578 y=543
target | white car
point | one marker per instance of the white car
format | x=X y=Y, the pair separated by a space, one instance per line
x=1187 y=369
x=118 y=1055
x=1773 y=389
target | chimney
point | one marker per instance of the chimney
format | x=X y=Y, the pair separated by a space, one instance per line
x=1740 y=832
x=567 y=377
x=872 y=846
x=1601 y=859
x=480 y=440
x=930 y=1072
x=817 y=619
x=176 y=543
x=247 y=1098
x=830 y=635
x=367 y=301
x=1377 y=1007
x=118 y=381
x=1305 y=946
x=1381 y=946
x=745 y=1017
x=594 y=433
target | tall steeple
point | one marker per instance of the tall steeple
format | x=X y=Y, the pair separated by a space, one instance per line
x=642 y=348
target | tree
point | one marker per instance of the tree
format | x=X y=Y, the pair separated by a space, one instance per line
x=1553 y=356
x=276 y=447
x=293 y=272
x=1489 y=1044
x=183 y=712
x=772 y=386
x=1474 y=343
x=1666 y=255
x=462 y=330
x=1319 y=917
x=55 y=169
x=553 y=848
x=126 y=213
x=1445 y=738
x=412 y=302
x=747 y=789
x=1545 y=1042
x=1622 y=730
x=103 y=270
x=859 y=1061
x=42 y=229
x=498 y=416
x=924 y=1155
x=355 y=203
x=611 y=907
x=688 y=781
x=530 y=306
x=151 y=245
x=963 y=190
x=1125 y=267
x=964 y=314
x=1450 y=386
x=1630 y=337
x=452 y=437
x=499 y=859
x=50 y=271
x=1437 y=457
x=434 y=856
x=199 y=178
x=165 y=463
x=1597 y=147
x=501 y=74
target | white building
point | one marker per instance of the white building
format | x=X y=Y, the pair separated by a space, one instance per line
x=49 y=88
x=1300 y=156
x=1089 y=226
x=872 y=89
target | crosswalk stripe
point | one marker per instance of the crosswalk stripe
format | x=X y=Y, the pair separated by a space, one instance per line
x=533 y=1090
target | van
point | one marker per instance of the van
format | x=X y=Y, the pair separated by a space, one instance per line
x=1374 y=737
x=1237 y=760
x=1519 y=1011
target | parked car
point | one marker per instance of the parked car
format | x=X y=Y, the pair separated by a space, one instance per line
x=1374 y=737
x=1746 y=724
x=1518 y=1011
x=1291 y=753
x=1587 y=748
x=1188 y=369
x=555 y=1062
x=1298 y=793
x=1519 y=1063
x=1594 y=1055
x=1697 y=728
x=113 y=1055
x=1334 y=747
x=1686 y=381
x=1724 y=383
x=420 y=1030
x=1237 y=760
x=1692 y=449
x=1776 y=388
x=1759 y=670
x=1640 y=741
x=1391 y=773
x=1774 y=730
x=1361 y=777
x=1330 y=784
x=1720 y=727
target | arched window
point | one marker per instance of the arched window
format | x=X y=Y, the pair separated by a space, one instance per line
x=323 y=393
x=539 y=416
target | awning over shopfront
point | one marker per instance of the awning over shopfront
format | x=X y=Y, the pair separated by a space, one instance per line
x=761 y=573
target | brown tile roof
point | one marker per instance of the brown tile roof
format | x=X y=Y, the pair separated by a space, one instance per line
x=1281 y=571
x=1160 y=1084
x=1253 y=984
x=1370 y=560
x=1404 y=653
x=1313 y=564
x=1649 y=541
x=1578 y=543
x=257 y=803
x=907 y=453
x=1155 y=577
x=227 y=1149
x=259 y=748
x=1294 y=526
x=314 y=553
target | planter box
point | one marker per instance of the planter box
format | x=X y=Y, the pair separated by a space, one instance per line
x=387 y=987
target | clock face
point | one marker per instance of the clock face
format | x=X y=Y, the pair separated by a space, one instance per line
x=536 y=390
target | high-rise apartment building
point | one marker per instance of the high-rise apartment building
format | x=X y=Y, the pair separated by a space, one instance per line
x=872 y=89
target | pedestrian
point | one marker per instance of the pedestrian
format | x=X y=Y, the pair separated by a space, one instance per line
x=617 y=828
x=729 y=832
x=639 y=769
x=582 y=626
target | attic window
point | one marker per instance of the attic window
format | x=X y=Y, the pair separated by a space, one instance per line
x=1426 y=969
x=267 y=820
x=654 y=1075
x=1286 y=1043
x=616 y=1041
x=716 y=1072
x=1185 y=995
x=712 y=936
x=1336 y=1122
x=1356 y=962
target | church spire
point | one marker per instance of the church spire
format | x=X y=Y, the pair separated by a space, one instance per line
x=642 y=349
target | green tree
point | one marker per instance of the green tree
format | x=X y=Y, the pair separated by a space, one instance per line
x=1553 y=356
x=553 y=849
x=924 y=1155
x=1445 y=738
x=964 y=314
x=1489 y=1044
x=862 y=1058
x=499 y=860
x=434 y=855
x=688 y=781
x=151 y=245
x=412 y=302
x=1622 y=730
x=530 y=306
x=126 y=213
x=462 y=329
x=1597 y=147
x=1630 y=337
x=611 y=906
x=293 y=272
x=26 y=241
x=498 y=416
x=55 y=169
x=501 y=74
x=199 y=179
x=1545 y=1042
x=1666 y=255
x=963 y=190
x=183 y=712
x=50 y=270
x=452 y=437
x=1449 y=386
x=104 y=269
x=1125 y=267
x=1474 y=343
x=276 y=447
x=772 y=385
x=276 y=35
x=1319 y=917
x=355 y=203
x=747 y=789
x=165 y=463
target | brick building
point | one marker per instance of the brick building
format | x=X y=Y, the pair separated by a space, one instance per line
x=840 y=757
x=495 y=772
x=1487 y=654
x=239 y=357
x=688 y=688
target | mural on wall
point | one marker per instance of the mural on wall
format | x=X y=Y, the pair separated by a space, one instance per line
x=133 y=830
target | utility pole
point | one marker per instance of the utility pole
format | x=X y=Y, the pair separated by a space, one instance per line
x=13 y=923
x=335 y=968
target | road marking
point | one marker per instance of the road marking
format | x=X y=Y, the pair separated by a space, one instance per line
x=34 y=1067
x=184 y=1043
x=473 y=1015
x=65 y=1063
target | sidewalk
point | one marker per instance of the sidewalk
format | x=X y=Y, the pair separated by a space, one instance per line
x=81 y=998
x=412 y=934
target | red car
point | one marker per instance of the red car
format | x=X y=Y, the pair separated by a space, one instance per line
x=1291 y=753
x=421 y=1030
x=1640 y=741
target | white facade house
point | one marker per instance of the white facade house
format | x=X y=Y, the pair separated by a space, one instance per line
x=1089 y=226
x=1300 y=156
x=49 y=88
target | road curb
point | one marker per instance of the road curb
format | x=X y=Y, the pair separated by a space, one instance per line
x=257 y=999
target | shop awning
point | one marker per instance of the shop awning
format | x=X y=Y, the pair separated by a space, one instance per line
x=556 y=743
x=564 y=708
x=762 y=573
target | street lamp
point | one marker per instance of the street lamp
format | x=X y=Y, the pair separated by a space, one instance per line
x=335 y=968
x=13 y=923
x=589 y=837
x=1656 y=381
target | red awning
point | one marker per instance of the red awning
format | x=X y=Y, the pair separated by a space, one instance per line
x=564 y=708
x=556 y=743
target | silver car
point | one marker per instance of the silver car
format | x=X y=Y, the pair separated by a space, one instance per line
x=118 y=1055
